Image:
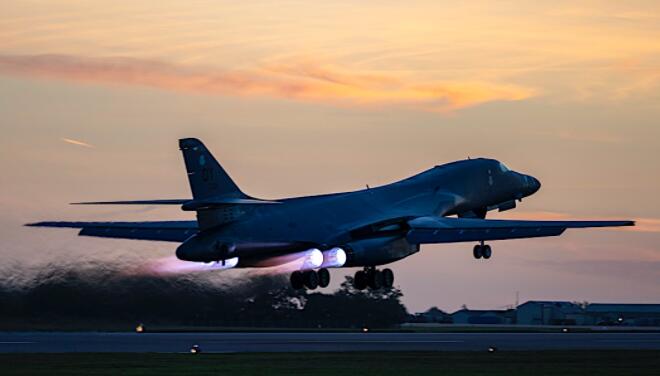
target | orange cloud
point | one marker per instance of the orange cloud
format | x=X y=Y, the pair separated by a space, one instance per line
x=304 y=81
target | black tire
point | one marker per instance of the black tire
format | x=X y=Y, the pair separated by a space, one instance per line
x=360 y=280
x=297 y=280
x=388 y=278
x=375 y=279
x=486 y=252
x=476 y=251
x=311 y=279
x=324 y=277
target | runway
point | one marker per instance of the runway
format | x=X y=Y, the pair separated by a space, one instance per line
x=50 y=342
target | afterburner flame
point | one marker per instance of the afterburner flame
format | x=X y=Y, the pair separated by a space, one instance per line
x=312 y=260
x=334 y=258
x=305 y=260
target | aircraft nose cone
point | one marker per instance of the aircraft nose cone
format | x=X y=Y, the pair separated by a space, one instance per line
x=534 y=184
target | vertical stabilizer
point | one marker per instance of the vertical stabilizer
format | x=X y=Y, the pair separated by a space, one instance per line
x=207 y=178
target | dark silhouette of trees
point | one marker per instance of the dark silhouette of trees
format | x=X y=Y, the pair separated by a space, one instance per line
x=349 y=307
x=99 y=294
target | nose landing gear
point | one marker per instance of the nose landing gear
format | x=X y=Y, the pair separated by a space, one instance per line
x=482 y=251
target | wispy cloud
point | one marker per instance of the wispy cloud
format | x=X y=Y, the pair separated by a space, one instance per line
x=298 y=80
x=76 y=142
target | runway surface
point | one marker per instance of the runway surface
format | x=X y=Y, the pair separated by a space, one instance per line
x=276 y=342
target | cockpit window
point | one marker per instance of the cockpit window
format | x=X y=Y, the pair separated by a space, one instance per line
x=503 y=167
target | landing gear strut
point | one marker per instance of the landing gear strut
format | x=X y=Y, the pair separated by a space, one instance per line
x=310 y=279
x=373 y=278
x=482 y=250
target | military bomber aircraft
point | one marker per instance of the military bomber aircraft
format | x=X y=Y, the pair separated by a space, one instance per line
x=367 y=228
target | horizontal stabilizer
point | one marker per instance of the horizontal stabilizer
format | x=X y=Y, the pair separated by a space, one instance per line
x=186 y=204
x=136 y=202
x=425 y=230
x=169 y=231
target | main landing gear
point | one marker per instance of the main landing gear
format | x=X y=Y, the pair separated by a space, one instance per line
x=373 y=278
x=368 y=277
x=482 y=250
x=310 y=279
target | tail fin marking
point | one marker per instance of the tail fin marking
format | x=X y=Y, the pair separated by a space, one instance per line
x=206 y=177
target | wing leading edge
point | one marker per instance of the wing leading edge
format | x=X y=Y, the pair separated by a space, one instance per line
x=168 y=231
x=426 y=230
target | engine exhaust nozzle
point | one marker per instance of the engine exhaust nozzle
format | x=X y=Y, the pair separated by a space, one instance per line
x=334 y=258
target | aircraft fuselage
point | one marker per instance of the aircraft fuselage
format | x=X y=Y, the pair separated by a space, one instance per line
x=464 y=188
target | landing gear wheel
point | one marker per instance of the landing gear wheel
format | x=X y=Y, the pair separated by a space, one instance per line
x=324 y=277
x=375 y=279
x=297 y=280
x=360 y=280
x=486 y=252
x=311 y=279
x=476 y=251
x=388 y=278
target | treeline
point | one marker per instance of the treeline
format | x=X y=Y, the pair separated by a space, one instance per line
x=101 y=295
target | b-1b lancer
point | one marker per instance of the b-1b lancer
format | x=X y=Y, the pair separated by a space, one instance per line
x=367 y=228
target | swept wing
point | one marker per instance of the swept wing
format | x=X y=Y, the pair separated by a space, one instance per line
x=424 y=230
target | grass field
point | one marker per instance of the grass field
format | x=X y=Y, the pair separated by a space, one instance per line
x=564 y=363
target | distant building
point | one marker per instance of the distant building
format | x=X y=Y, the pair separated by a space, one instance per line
x=623 y=314
x=468 y=316
x=432 y=315
x=537 y=312
x=567 y=313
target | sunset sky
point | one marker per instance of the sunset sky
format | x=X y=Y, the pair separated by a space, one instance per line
x=298 y=98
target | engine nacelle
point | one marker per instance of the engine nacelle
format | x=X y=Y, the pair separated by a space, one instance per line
x=378 y=251
x=308 y=259
x=205 y=249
